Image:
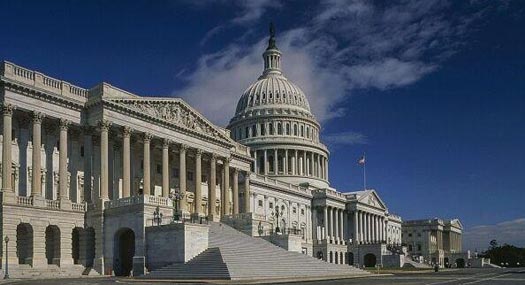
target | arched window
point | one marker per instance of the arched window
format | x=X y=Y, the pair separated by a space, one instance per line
x=307 y=132
x=247 y=133
x=254 y=131
x=270 y=129
x=279 y=129
x=295 y=130
x=287 y=129
x=302 y=131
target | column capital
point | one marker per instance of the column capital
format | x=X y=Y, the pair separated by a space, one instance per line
x=127 y=131
x=7 y=109
x=227 y=159
x=198 y=152
x=64 y=124
x=37 y=117
x=235 y=171
x=183 y=147
x=166 y=143
x=147 y=137
x=104 y=125
x=213 y=156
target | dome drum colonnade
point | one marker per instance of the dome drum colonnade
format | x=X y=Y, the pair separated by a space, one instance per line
x=273 y=118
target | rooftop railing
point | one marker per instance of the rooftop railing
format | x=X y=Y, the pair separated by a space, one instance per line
x=37 y=79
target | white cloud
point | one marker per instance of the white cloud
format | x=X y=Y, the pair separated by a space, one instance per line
x=511 y=232
x=248 y=11
x=346 y=46
x=345 y=138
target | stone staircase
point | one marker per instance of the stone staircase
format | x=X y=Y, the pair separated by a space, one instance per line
x=233 y=255
x=409 y=263
x=24 y=271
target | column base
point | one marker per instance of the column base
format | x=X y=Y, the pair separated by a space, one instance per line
x=39 y=201
x=139 y=265
x=98 y=266
x=65 y=204
x=8 y=196
x=214 y=218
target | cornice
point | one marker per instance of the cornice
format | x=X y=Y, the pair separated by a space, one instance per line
x=41 y=94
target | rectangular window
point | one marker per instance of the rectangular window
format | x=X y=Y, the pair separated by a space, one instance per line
x=302 y=212
x=82 y=151
x=294 y=210
x=271 y=205
x=189 y=175
x=159 y=169
x=260 y=203
x=175 y=172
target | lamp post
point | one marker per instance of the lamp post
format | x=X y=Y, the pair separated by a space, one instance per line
x=6 y=275
x=157 y=216
x=276 y=214
x=176 y=196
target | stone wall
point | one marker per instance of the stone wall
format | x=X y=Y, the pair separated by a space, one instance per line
x=37 y=220
x=174 y=243
x=288 y=242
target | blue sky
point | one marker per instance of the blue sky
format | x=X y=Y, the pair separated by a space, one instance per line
x=432 y=91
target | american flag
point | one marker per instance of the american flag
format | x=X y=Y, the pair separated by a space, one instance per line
x=362 y=160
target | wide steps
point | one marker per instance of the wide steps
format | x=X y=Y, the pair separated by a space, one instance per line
x=23 y=271
x=235 y=255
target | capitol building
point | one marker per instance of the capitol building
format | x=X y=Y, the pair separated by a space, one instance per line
x=101 y=181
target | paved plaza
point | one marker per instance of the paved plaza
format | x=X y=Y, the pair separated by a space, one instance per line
x=454 y=277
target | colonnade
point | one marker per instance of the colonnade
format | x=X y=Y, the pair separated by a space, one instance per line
x=332 y=224
x=369 y=227
x=293 y=162
x=125 y=132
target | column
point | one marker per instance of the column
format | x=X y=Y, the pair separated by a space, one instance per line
x=265 y=162
x=294 y=162
x=6 y=148
x=355 y=238
x=332 y=224
x=182 y=177
x=326 y=169
x=165 y=168
x=311 y=166
x=361 y=227
x=235 y=190
x=198 y=183
x=368 y=228
x=341 y=226
x=325 y=222
x=226 y=189
x=146 y=165
x=62 y=162
x=247 y=192
x=275 y=162
x=336 y=223
x=36 y=182
x=285 y=164
x=104 y=159
x=255 y=163
x=212 y=196
x=126 y=163
x=304 y=164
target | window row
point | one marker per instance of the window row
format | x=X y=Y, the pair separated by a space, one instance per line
x=276 y=128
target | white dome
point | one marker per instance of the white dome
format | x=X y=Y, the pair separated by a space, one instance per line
x=271 y=90
x=273 y=118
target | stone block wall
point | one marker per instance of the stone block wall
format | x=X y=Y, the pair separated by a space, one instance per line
x=174 y=243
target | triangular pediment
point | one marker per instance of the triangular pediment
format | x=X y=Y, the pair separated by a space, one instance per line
x=456 y=223
x=172 y=111
x=371 y=198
